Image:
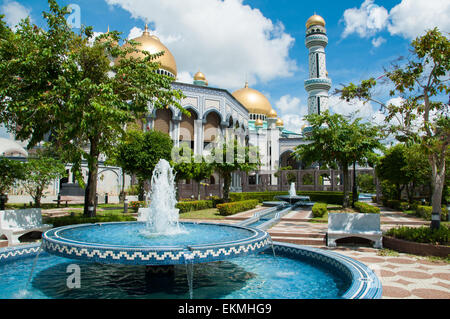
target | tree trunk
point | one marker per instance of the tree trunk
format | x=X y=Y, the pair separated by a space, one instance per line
x=226 y=186
x=354 y=188
x=346 y=174
x=438 y=182
x=198 y=190
x=91 y=187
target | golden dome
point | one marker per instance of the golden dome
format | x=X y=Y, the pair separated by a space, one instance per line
x=259 y=123
x=151 y=44
x=279 y=122
x=272 y=114
x=199 y=76
x=253 y=100
x=315 y=20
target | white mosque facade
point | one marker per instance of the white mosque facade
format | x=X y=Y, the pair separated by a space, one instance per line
x=214 y=110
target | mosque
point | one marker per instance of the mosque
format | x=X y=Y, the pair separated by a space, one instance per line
x=213 y=110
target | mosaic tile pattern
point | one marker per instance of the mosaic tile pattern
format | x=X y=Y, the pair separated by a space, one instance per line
x=54 y=244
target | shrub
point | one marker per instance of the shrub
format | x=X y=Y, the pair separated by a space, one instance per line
x=366 y=208
x=135 y=205
x=421 y=234
x=319 y=209
x=80 y=219
x=425 y=212
x=315 y=196
x=231 y=208
x=190 y=206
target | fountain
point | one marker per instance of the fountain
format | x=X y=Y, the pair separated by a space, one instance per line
x=230 y=261
x=294 y=199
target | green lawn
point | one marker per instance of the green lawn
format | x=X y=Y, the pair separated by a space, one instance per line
x=210 y=213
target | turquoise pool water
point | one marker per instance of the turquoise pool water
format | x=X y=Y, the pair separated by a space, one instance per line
x=256 y=277
x=134 y=235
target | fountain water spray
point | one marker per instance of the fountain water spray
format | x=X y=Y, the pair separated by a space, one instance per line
x=292 y=191
x=161 y=216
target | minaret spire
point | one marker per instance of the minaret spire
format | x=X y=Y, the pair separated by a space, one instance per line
x=318 y=84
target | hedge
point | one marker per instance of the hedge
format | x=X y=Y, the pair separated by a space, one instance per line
x=190 y=206
x=366 y=208
x=231 y=208
x=80 y=219
x=315 y=196
x=425 y=212
x=422 y=234
x=319 y=209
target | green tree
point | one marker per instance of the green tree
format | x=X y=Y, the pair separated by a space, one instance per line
x=187 y=165
x=57 y=81
x=390 y=168
x=422 y=83
x=139 y=152
x=11 y=172
x=336 y=139
x=40 y=172
x=230 y=156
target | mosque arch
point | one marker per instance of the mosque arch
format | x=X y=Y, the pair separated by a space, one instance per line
x=287 y=159
x=187 y=127
x=163 y=118
x=211 y=126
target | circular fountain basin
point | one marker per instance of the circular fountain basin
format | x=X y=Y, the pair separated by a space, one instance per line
x=293 y=272
x=124 y=243
x=293 y=199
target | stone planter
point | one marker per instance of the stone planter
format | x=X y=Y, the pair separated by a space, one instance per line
x=420 y=249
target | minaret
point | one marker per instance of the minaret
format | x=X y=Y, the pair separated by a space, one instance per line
x=318 y=84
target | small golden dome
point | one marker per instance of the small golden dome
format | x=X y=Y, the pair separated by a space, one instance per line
x=199 y=76
x=272 y=114
x=259 y=123
x=315 y=20
x=254 y=101
x=151 y=44
x=279 y=123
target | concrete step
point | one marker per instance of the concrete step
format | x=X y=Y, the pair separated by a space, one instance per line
x=291 y=234
x=300 y=240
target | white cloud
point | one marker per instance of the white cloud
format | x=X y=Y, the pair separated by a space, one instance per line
x=366 y=20
x=356 y=107
x=14 y=12
x=288 y=104
x=293 y=122
x=185 y=77
x=227 y=40
x=378 y=41
x=411 y=18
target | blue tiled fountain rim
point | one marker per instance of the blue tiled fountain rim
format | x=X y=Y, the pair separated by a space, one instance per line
x=155 y=255
x=364 y=284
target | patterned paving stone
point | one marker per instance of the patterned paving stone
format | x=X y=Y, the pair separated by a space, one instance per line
x=401 y=261
x=443 y=284
x=433 y=263
x=371 y=259
x=414 y=274
x=395 y=292
x=404 y=282
x=431 y=293
x=387 y=273
x=445 y=276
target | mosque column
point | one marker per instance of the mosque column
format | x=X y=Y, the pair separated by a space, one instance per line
x=175 y=132
x=198 y=135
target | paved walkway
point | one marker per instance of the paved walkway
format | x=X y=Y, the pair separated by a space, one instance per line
x=402 y=275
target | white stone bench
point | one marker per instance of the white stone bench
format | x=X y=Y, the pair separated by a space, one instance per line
x=342 y=225
x=15 y=223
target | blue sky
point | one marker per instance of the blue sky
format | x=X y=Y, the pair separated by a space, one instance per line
x=263 y=40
